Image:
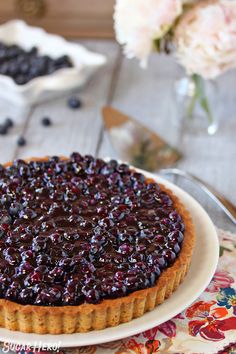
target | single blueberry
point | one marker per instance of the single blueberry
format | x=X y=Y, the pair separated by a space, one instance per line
x=21 y=141
x=8 y=122
x=46 y=121
x=74 y=103
x=3 y=129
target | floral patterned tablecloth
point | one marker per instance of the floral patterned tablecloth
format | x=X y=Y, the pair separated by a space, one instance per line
x=207 y=326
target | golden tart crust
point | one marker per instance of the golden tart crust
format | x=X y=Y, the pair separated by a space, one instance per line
x=108 y=313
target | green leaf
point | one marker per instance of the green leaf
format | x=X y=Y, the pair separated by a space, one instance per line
x=222 y=249
x=191 y=106
x=205 y=106
x=195 y=97
x=157 y=43
x=199 y=96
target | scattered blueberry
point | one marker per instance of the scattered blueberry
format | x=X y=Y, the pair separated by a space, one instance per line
x=3 y=129
x=74 y=103
x=8 y=122
x=21 y=141
x=46 y=122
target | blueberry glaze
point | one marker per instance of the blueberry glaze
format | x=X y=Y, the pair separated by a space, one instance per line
x=82 y=230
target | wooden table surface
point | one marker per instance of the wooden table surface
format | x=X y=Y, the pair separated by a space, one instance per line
x=146 y=95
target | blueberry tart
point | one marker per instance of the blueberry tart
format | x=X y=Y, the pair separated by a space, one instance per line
x=86 y=244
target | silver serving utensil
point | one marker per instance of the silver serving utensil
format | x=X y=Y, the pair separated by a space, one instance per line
x=136 y=143
x=228 y=208
x=144 y=149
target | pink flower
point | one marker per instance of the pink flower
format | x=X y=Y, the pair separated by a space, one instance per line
x=168 y=328
x=221 y=279
x=150 y=334
x=206 y=38
x=179 y=317
x=139 y=22
x=134 y=347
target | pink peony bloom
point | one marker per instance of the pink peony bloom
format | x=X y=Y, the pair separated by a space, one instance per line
x=139 y=22
x=205 y=38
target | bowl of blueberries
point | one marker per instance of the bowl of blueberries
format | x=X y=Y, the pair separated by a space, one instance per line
x=36 y=66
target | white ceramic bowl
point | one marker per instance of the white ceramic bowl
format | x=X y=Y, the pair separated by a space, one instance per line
x=48 y=86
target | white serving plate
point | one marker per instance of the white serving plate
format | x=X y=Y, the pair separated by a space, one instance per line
x=49 y=86
x=203 y=266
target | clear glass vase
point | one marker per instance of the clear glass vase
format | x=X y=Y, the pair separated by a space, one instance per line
x=197 y=102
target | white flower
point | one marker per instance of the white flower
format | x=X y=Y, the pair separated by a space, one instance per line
x=139 y=22
x=206 y=38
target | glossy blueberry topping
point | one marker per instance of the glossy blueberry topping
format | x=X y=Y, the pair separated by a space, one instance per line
x=82 y=230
